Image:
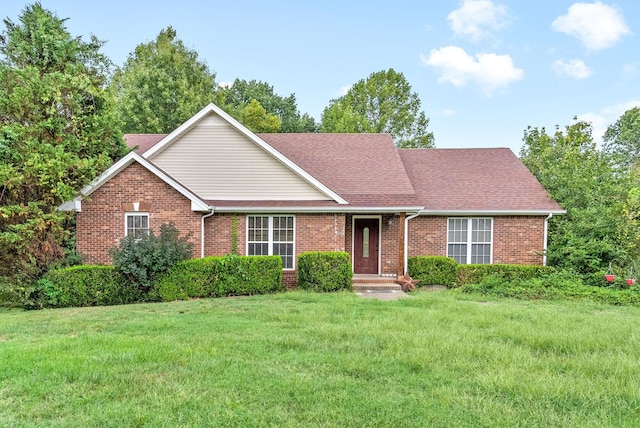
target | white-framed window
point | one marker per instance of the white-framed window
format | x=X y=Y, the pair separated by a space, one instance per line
x=470 y=240
x=272 y=235
x=136 y=224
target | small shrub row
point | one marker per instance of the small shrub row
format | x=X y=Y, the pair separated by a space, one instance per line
x=220 y=276
x=474 y=274
x=553 y=285
x=325 y=271
x=433 y=270
x=84 y=285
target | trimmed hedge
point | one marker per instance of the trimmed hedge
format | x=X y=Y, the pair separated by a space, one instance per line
x=433 y=270
x=475 y=274
x=220 y=276
x=325 y=271
x=85 y=285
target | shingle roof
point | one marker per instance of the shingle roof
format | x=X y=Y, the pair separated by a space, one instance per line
x=368 y=171
x=474 y=179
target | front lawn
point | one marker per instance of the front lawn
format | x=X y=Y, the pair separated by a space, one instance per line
x=302 y=359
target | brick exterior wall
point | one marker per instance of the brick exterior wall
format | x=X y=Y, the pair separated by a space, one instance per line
x=516 y=239
x=101 y=223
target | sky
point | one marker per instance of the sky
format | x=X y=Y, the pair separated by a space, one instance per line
x=484 y=70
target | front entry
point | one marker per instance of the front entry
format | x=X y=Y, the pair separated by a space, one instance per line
x=366 y=232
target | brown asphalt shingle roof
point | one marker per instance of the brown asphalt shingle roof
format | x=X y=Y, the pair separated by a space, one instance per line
x=368 y=171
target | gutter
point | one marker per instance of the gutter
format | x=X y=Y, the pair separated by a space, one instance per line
x=544 y=245
x=209 y=214
x=406 y=241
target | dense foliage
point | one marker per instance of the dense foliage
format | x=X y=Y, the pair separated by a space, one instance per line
x=599 y=195
x=381 y=103
x=142 y=259
x=433 y=270
x=221 y=276
x=325 y=271
x=162 y=84
x=476 y=273
x=58 y=131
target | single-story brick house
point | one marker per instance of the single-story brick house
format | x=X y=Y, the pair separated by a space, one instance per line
x=291 y=193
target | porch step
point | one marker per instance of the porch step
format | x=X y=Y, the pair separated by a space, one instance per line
x=376 y=286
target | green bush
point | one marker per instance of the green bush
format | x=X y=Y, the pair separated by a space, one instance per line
x=325 y=271
x=433 y=270
x=220 y=276
x=475 y=274
x=142 y=259
x=84 y=285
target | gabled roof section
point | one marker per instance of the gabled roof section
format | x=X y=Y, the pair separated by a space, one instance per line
x=365 y=169
x=197 y=204
x=167 y=141
x=450 y=181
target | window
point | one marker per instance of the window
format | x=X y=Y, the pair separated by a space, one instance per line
x=469 y=240
x=136 y=224
x=271 y=235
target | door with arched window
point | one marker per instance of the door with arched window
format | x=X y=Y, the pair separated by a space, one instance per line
x=365 y=245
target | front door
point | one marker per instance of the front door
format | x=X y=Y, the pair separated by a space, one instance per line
x=365 y=245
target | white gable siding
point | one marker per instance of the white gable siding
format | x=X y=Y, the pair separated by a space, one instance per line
x=215 y=161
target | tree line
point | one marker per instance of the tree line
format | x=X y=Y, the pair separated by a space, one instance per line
x=64 y=108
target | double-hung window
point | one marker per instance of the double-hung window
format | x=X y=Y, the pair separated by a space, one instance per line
x=272 y=235
x=469 y=240
x=136 y=224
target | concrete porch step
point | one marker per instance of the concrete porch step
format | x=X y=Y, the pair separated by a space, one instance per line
x=376 y=286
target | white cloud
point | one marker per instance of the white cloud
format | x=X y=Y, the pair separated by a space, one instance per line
x=448 y=112
x=490 y=71
x=225 y=85
x=478 y=19
x=596 y=25
x=575 y=68
x=601 y=120
x=344 y=89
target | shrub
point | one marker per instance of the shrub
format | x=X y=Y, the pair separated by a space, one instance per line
x=85 y=285
x=141 y=260
x=220 y=276
x=433 y=270
x=475 y=274
x=325 y=271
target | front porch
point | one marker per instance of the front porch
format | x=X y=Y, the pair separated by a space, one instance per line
x=377 y=283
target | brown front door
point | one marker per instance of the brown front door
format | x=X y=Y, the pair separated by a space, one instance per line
x=365 y=245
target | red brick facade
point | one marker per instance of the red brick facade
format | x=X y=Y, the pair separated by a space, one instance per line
x=101 y=223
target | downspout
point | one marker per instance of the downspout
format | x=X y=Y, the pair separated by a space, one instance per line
x=209 y=214
x=406 y=240
x=546 y=232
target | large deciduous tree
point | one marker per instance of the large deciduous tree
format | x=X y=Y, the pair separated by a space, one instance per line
x=58 y=130
x=237 y=97
x=161 y=85
x=589 y=184
x=381 y=103
x=622 y=139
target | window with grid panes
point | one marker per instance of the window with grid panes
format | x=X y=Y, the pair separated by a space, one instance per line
x=272 y=235
x=136 y=224
x=469 y=240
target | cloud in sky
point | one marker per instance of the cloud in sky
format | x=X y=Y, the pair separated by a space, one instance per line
x=488 y=70
x=601 y=120
x=596 y=25
x=478 y=19
x=575 y=68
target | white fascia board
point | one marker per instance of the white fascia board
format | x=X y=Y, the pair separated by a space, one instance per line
x=340 y=209
x=491 y=212
x=212 y=108
x=196 y=203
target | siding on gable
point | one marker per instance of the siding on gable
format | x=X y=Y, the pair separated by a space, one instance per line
x=215 y=161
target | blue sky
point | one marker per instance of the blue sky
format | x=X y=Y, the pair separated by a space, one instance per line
x=484 y=70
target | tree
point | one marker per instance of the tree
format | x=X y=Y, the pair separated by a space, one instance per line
x=256 y=118
x=58 y=130
x=237 y=97
x=594 y=191
x=161 y=85
x=381 y=103
x=622 y=139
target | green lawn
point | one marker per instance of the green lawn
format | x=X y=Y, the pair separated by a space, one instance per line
x=301 y=359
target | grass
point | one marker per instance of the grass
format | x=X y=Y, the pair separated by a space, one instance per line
x=302 y=359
